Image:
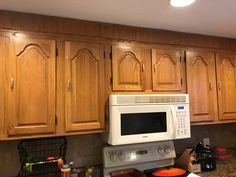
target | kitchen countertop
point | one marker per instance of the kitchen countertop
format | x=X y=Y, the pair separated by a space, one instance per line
x=222 y=170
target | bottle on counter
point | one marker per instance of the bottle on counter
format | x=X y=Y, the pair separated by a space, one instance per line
x=66 y=169
x=89 y=172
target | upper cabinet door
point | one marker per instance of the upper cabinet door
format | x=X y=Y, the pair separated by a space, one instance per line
x=4 y=52
x=201 y=85
x=85 y=91
x=31 y=106
x=226 y=84
x=128 y=65
x=167 y=70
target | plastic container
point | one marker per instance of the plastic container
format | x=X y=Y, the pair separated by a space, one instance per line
x=220 y=150
x=223 y=158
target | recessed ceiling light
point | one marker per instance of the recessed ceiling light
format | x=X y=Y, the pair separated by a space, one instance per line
x=181 y=3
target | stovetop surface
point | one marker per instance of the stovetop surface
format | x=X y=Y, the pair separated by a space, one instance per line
x=149 y=172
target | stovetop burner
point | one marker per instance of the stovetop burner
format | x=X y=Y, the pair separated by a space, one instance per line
x=149 y=172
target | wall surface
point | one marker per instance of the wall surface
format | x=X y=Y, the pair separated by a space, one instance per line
x=57 y=25
x=86 y=150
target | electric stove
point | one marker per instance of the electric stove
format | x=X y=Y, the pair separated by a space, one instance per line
x=146 y=157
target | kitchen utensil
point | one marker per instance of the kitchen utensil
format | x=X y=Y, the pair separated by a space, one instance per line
x=188 y=161
x=171 y=172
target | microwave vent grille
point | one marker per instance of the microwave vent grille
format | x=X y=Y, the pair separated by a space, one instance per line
x=150 y=99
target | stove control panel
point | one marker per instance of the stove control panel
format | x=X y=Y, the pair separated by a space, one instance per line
x=137 y=153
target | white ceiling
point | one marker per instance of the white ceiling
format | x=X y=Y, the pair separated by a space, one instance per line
x=210 y=17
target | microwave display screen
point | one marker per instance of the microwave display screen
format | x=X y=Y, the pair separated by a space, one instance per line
x=140 y=123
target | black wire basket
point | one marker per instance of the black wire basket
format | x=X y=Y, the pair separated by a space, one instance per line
x=42 y=157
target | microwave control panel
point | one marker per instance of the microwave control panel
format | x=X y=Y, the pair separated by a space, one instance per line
x=182 y=124
x=137 y=153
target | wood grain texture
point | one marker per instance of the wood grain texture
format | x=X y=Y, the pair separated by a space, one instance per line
x=128 y=66
x=31 y=107
x=58 y=25
x=167 y=69
x=226 y=85
x=62 y=28
x=4 y=54
x=85 y=89
x=201 y=85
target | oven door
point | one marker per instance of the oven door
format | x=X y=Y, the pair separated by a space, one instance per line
x=139 y=124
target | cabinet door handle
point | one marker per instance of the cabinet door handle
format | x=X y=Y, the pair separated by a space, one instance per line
x=143 y=67
x=210 y=86
x=69 y=85
x=154 y=68
x=219 y=85
x=12 y=84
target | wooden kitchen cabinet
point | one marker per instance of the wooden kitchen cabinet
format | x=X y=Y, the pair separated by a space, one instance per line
x=128 y=66
x=4 y=52
x=85 y=86
x=147 y=68
x=167 y=69
x=201 y=85
x=31 y=89
x=226 y=85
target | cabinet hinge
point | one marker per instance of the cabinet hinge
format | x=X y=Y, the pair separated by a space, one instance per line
x=111 y=81
x=56 y=51
x=104 y=54
x=181 y=81
x=56 y=121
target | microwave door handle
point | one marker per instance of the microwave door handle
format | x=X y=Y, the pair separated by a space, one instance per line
x=174 y=120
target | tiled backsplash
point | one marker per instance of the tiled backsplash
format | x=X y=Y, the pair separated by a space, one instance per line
x=222 y=134
x=87 y=149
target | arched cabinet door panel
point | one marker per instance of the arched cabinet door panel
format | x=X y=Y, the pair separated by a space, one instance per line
x=84 y=91
x=31 y=106
x=167 y=70
x=226 y=85
x=201 y=85
x=128 y=66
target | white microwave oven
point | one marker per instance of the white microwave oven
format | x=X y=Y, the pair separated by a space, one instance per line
x=147 y=118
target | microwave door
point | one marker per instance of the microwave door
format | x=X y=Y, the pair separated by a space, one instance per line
x=137 y=124
x=143 y=123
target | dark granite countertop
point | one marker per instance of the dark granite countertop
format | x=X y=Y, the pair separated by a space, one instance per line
x=227 y=169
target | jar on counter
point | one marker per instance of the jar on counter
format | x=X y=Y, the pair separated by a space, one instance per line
x=77 y=172
x=65 y=170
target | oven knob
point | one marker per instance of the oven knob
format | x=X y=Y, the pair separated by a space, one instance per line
x=121 y=156
x=167 y=150
x=160 y=150
x=113 y=156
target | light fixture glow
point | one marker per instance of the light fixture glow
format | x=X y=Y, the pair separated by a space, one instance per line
x=181 y=3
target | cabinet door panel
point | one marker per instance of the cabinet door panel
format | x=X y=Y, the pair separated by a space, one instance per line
x=31 y=107
x=4 y=52
x=85 y=92
x=201 y=85
x=128 y=67
x=226 y=84
x=166 y=70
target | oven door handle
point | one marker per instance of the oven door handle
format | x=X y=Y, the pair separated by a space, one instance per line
x=173 y=113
